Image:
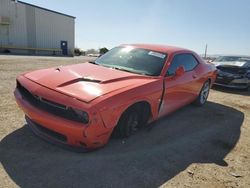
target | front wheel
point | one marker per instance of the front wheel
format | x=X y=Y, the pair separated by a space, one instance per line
x=128 y=124
x=202 y=98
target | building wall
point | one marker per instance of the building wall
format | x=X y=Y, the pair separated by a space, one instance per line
x=15 y=33
x=59 y=29
x=35 y=28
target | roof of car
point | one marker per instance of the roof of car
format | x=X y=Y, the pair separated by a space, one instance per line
x=159 y=48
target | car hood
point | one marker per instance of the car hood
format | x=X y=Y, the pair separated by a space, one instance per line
x=85 y=81
x=230 y=63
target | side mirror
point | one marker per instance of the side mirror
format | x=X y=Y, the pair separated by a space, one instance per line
x=179 y=71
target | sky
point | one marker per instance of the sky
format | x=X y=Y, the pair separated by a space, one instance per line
x=224 y=25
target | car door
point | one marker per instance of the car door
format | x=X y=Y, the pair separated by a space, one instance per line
x=179 y=89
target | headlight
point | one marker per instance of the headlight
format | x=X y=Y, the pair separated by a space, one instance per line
x=83 y=116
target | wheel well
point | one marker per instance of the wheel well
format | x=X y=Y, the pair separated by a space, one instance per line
x=210 y=81
x=143 y=107
x=145 y=114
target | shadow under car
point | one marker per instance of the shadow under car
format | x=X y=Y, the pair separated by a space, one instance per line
x=149 y=158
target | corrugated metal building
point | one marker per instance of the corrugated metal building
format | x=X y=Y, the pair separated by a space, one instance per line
x=29 y=29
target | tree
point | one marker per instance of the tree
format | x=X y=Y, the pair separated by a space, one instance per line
x=103 y=50
x=77 y=51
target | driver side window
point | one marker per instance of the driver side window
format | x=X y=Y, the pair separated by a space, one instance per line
x=186 y=60
x=176 y=62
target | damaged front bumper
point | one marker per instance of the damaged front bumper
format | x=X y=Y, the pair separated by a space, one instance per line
x=242 y=83
x=58 y=129
x=233 y=77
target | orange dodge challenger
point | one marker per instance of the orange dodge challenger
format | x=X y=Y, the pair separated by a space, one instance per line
x=82 y=105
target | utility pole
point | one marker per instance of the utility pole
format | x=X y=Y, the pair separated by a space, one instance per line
x=206 y=51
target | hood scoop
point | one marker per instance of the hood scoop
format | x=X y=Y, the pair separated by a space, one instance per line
x=85 y=79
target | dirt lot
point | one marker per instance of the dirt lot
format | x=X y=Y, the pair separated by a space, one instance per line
x=193 y=147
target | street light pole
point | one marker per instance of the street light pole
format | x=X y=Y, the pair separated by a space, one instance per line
x=206 y=51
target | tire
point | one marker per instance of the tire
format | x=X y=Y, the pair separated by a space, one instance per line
x=202 y=98
x=128 y=124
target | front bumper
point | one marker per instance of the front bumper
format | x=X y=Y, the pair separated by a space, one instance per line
x=242 y=83
x=73 y=134
x=51 y=136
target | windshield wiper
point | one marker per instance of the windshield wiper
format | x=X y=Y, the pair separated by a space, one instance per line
x=93 y=62
x=122 y=69
x=126 y=70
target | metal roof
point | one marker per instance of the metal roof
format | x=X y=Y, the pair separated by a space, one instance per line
x=46 y=9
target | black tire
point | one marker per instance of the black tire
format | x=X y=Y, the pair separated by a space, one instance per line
x=129 y=123
x=202 y=98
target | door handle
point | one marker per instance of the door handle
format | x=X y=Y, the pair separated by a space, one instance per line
x=194 y=76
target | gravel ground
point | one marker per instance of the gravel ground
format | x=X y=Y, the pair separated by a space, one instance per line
x=193 y=147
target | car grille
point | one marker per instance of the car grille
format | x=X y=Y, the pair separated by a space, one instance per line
x=223 y=80
x=48 y=106
x=232 y=70
x=226 y=74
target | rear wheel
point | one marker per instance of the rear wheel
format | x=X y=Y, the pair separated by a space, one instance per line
x=202 y=98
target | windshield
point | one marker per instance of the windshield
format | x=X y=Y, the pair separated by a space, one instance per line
x=227 y=58
x=135 y=60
